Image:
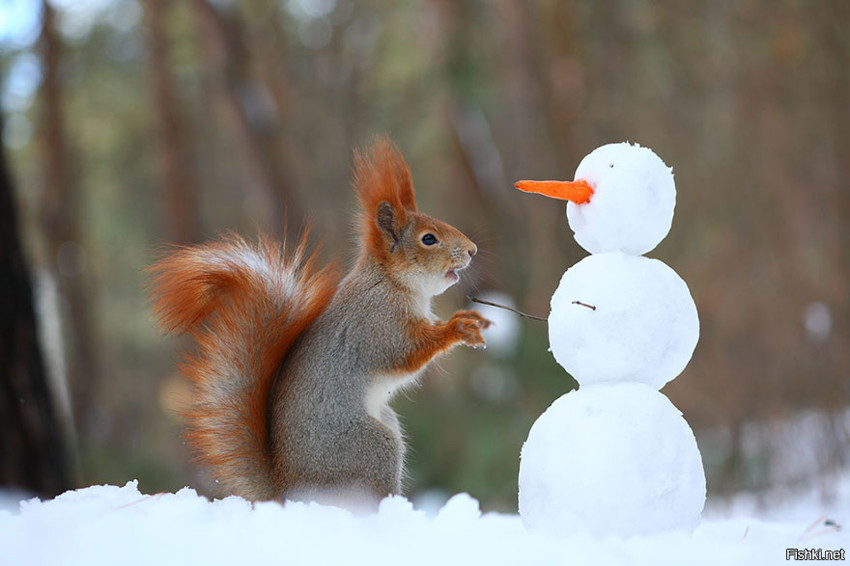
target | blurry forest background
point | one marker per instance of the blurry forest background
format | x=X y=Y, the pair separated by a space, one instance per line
x=129 y=124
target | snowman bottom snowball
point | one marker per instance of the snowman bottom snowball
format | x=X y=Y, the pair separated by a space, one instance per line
x=611 y=459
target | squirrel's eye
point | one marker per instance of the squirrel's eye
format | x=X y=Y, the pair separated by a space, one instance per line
x=429 y=239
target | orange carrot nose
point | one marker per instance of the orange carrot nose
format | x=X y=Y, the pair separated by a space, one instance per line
x=578 y=191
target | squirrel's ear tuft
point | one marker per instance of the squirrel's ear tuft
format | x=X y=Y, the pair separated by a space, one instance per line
x=384 y=188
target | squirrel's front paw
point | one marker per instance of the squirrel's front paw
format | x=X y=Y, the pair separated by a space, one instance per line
x=467 y=326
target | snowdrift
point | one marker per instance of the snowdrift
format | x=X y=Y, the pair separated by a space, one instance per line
x=110 y=525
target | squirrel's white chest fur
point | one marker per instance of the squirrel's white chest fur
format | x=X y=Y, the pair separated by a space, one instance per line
x=383 y=388
x=381 y=391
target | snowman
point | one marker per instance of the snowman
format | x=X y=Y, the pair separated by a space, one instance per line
x=615 y=456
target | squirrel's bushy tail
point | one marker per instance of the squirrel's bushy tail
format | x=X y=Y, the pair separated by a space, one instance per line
x=245 y=305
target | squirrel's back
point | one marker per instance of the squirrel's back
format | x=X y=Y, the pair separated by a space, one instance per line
x=245 y=305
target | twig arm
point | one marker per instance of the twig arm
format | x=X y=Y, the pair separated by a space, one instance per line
x=498 y=306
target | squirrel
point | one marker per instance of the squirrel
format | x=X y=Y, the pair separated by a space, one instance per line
x=295 y=366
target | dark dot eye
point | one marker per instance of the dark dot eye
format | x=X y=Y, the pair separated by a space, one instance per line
x=429 y=239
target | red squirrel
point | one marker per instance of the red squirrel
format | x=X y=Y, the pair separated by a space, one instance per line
x=295 y=368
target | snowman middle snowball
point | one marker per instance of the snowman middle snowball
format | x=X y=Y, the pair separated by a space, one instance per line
x=619 y=317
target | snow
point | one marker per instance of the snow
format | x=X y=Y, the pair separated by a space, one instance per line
x=817 y=320
x=631 y=209
x=109 y=525
x=611 y=459
x=643 y=325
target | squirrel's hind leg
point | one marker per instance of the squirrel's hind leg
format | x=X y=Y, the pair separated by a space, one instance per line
x=377 y=452
x=362 y=467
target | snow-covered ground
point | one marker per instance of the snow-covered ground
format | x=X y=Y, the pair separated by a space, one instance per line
x=113 y=525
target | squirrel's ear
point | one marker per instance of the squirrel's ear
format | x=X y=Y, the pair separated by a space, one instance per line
x=387 y=221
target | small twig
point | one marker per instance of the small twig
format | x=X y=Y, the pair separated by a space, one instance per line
x=829 y=526
x=833 y=524
x=488 y=303
x=591 y=307
x=811 y=527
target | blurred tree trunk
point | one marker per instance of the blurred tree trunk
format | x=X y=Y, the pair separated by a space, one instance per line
x=293 y=122
x=227 y=65
x=67 y=256
x=473 y=146
x=526 y=79
x=835 y=21
x=178 y=181
x=31 y=440
x=540 y=131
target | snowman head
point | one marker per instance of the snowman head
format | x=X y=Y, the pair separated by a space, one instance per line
x=622 y=199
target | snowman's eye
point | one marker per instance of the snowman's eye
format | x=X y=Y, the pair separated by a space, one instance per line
x=429 y=239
